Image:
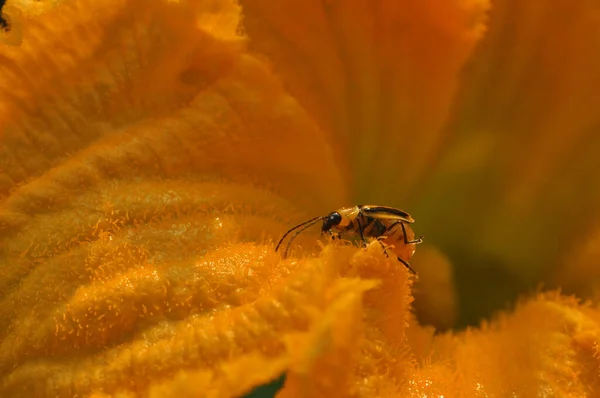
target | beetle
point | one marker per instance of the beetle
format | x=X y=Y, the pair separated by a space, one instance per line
x=366 y=221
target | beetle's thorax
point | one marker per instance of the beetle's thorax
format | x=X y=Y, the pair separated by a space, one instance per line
x=349 y=215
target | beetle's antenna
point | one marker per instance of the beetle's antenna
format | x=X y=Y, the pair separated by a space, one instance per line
x=298 y=233
x=309 y=222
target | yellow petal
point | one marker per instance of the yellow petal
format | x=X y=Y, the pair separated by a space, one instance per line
x=146 y=169
x=379 y=75
x=527 y=114
x=133 y=160
x=322 y=362
x=230 y=380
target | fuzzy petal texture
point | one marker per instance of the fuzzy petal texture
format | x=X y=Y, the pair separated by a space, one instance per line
x=150 y=155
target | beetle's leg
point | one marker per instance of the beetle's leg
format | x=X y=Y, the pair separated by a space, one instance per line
x=383 y=247
x=406 y=241
x=360 y=231
x=388 y=229
x=335 y=235
x=407 y=265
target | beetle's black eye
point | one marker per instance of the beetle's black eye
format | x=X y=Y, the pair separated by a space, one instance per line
x=331 y=221
x=335 y=218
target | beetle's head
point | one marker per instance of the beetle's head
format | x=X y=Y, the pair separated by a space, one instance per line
x=332 y=220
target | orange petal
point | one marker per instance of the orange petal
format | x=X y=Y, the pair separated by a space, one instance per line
x=232 y=379
x=380 y=76
x=120 y=101
x=323 y=361
x=528 y=117
x=132 y=162
x=435 y=297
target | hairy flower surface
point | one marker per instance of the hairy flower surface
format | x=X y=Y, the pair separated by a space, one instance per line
x=152 y=152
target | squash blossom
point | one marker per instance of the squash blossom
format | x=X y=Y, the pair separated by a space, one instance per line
x=153 y=152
